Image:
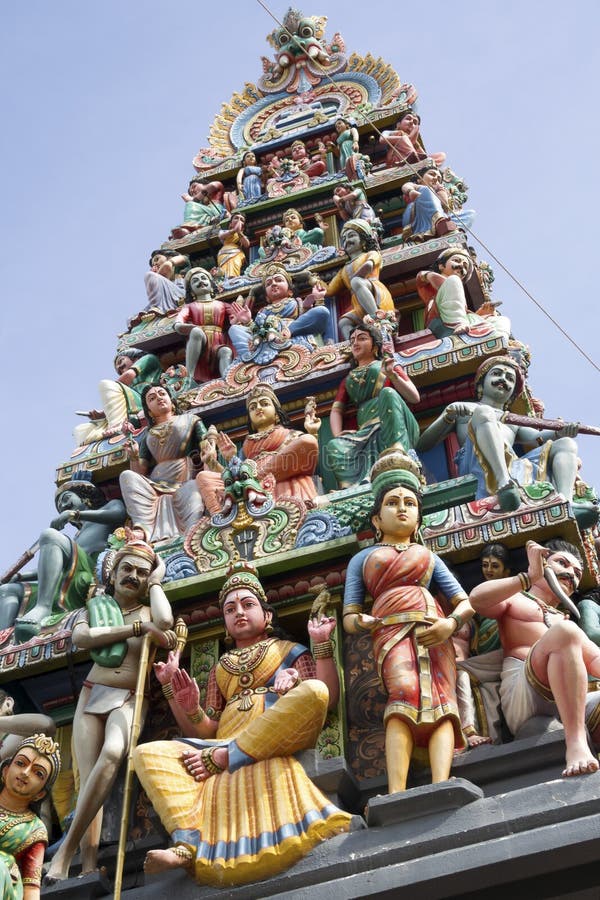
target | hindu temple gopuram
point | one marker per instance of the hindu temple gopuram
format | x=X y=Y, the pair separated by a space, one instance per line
x=327 y=617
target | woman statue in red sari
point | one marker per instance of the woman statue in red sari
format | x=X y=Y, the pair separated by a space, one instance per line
x=412 y=644
x=289 y=456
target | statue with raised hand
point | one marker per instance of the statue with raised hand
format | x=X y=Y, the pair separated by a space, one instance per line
x=267 y=699
x=547 y=659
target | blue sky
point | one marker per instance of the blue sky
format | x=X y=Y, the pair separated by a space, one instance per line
x=106 y=104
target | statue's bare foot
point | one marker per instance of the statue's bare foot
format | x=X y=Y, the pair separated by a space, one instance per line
x=54 y=875
x=204 y=763
x=96 y=870
x=162 y=860
x=580 y=761
x=474 y=740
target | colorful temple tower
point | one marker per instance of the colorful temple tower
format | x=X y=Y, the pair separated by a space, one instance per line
x=317 y=323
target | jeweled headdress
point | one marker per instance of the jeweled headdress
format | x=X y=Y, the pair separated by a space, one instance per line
x=242 y=574
x=262 y=390
x=274 y=269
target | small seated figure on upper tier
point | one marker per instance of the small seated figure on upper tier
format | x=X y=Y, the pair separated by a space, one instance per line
x=121 y=397
x=424 y=216
x=404 y=142
x=381 y=390
x=283 y=321
x=352 y=203
x=203 y=206
x=443 y=294
x=289 y=456
x=312 y=165
x=293 y=220
x=346 y=144
x=232 y=256
x=249 y=177
x=203 y=320
x=352 y=161
x=487 y=442
x=164 y=283
x=360 y=276
x=159 y=489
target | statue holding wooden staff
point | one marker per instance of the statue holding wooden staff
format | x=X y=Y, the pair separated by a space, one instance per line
x=135 y=605
x=487 y=435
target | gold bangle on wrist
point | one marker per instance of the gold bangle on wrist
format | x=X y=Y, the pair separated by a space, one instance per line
x=167 y=690
x=323 y=650
x=525 y=581
x=137 y=628
x=196 y=716
x=458 y=619
x=358 y=624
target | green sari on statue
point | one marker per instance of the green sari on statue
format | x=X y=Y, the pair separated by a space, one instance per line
x=23 y=840
x=383 y=419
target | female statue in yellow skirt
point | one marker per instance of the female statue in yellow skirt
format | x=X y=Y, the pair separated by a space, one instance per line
x=238 y=806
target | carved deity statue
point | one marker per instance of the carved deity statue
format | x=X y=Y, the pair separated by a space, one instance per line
x=137 y=604
x=412 y=645
x=267 y=699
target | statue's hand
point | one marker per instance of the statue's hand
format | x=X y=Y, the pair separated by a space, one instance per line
x=437 y=633
x=456 y=411
x=239 y=314
x=536 y=554
x=185 y=691
x=208 y=454
x=159 y=637
x=157 y=574
x=132 y=450
x=312 y=422
x=321 y=629
x=165 y=671
x=63 y=519
x=570 y=429
x=286 y=680
x=366 y=622
x=226 y=446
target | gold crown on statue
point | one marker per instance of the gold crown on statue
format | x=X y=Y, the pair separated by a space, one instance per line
x=242 y=574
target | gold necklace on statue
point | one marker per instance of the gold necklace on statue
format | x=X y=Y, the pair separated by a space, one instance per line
x=241 y=663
